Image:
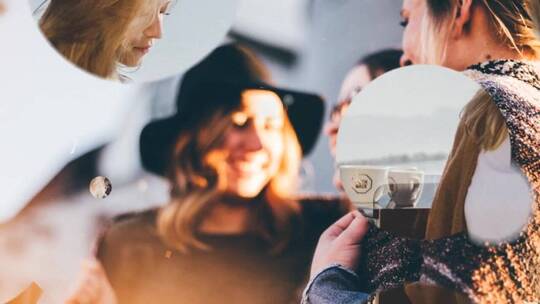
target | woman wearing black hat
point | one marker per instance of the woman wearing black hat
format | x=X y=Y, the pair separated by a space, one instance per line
x=233 y=231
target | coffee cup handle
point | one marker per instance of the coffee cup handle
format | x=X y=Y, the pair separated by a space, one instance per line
x=416 y=187
x=379 y=193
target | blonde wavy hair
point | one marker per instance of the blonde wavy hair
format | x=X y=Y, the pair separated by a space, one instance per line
x=484 y=121
x=513 y=21
x=91 y=34
x=198 y=180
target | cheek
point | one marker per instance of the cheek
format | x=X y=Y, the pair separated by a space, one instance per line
x=127 y=55
x=411 y=42
x=138 y=25
x=232 y=140
x=276 y=152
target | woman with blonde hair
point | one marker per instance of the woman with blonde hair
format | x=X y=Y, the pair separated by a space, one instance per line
x=234 y=230
x=102 y=35
x=473 y=246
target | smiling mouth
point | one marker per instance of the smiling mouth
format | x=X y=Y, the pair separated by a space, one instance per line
x=246 y=169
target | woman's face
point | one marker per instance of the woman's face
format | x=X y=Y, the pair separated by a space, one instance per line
x=468 y=39
x=255 y=143
x=411 y=19
x=356 y=79
x=142 y=33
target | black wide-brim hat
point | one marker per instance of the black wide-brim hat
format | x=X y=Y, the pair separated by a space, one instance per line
x=218 y=82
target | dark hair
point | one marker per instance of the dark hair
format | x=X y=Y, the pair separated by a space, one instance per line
x=381 y=62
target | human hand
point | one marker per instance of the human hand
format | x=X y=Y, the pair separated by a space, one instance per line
x=340 y=243
x=93 y=286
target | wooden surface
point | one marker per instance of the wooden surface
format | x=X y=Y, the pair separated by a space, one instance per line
x=409 y=222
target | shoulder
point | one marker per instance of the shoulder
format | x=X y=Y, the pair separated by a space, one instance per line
x=134 y=221
x=514 y=87
x=128 y=230
x=146 y=216
x=130 y=250
x=509 y=83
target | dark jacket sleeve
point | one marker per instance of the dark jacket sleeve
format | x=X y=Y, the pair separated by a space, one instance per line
x=388 y=261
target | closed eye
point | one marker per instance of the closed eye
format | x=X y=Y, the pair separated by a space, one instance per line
x=166 y=8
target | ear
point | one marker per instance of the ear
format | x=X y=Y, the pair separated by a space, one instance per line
x=463 y=18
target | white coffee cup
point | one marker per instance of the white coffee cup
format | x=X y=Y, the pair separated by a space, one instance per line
x=364 y=185
x=405 y=187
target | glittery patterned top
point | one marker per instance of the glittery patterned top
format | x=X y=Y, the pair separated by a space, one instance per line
x=503 y=273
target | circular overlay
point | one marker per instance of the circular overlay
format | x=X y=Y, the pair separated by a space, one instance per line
x=408 y=118
x=405 y=118
x=158 y=40
x=100 y=187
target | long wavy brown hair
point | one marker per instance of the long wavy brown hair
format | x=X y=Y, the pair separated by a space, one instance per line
x=198 y=179
x=91 y=34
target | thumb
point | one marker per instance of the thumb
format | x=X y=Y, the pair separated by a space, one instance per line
x=354 y=234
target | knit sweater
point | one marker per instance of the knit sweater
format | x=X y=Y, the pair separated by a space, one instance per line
x=503 y=273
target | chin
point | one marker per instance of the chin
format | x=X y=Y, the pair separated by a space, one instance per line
x=133 y=64
x=132 y=61
x=247 y=193
x=248 y=190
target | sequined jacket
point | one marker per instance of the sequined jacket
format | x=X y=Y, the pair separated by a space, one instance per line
x=504 y=273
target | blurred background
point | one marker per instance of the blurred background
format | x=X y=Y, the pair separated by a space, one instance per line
x=60 y=127
x=307 y=44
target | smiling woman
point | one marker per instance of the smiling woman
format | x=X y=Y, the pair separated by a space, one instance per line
x=234 y=230
x=99 y=36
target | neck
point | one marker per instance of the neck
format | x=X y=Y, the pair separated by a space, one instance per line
x=482 y=44
x=497 y=53
x=487 y=50
x=227 y=219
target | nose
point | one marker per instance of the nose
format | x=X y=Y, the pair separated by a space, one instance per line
x=155 y=29
x=331 y=128
x=253 y=141
x=405 y=60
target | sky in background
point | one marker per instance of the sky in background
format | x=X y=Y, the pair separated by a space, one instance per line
x=406 y=112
